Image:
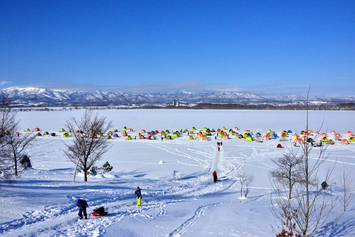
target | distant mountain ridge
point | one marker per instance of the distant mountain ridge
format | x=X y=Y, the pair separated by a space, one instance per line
x=51 y=97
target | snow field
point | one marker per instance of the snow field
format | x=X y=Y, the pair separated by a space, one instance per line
x=43 y=200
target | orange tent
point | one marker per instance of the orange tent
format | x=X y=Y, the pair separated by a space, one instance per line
x=337 y=136
x=235 y=128
x=333 y=132
x=115 y=130
x=130 y=130
x=225 y=137
x=247 y=131
x=142 y=131
x=265 y=137
x=323 y=134
x=161 y=134
x=344 y=141
x=316 y=133
x=349 y=133
x=139 y=134
x=298 y=141
x=124 y=134
x=309 y=131
x=37 y=129
x=203 y=138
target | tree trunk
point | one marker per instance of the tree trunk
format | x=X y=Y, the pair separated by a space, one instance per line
x=85 y=176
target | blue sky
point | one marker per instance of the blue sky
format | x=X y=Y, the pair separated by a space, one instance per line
x=265 y=47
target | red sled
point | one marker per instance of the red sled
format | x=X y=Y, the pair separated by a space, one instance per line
x=99 y=212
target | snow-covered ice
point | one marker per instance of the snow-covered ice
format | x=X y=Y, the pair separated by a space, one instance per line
x=42 y=202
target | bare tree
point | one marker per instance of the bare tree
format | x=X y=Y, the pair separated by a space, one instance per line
x=311 y=207
x=245 y=181
x=88 y=143
x=346 y=182
x=287 y=172
x=11 y=144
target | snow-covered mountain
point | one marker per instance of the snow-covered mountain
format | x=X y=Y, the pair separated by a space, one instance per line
x=47 y=97
x=31 y=95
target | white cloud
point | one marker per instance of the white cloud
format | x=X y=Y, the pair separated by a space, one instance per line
x=4 y=82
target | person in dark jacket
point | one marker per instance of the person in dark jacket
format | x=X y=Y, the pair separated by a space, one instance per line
x=215 y=176
x=82 y=204
x=139 y=196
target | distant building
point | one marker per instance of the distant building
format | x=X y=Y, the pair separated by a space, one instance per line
x=176 y=103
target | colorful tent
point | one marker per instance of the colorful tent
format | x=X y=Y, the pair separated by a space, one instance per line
x=249 y=138
x=37 y=129
x=191 y=138
x=115 y=135
x=62 y=130
x=143 y=131
x=65 y=135
x=225 y=137
x=265 y=137
x=344 y=141
x=168 y=137
x=128 y=137
x=279 y=146
x=27 y=130
x=130 y=130
x=325 y=139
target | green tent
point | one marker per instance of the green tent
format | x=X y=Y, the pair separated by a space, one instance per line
x=249 y=138
x=191 y=138
x=128 y=137
x=168 y=137
x=325 y=139
x=65 y=135
x=62 y=130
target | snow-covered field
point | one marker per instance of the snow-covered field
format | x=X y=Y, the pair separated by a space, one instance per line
x=42 y=202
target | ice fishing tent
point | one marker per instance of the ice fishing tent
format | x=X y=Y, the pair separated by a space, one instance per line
x=224 y=128
x=309 y=131
x=212 y=130
x=289 y=131
x=65 y=135
x=337 y=136
x=141 y=137
x=38 y=134
x=193 y=129
x=191 y=138
x=124 y=134
x=249 y=138
x=265 y=137
x=330 y=142
x=27 y=130
x=115 y=135
x=115 y=130
x=258 y=134
x=53 y=134
x=203 y=138
x=325 y=139
x=323 y=135
x=316 y=133
x=124 y=128
x=128 y=137
x=175 y=134
x=37 y=129
x=279 y=146
x=143 y=131
x=130 y=130
x=310 y=140
x=235 y=129
x=344 y=141
x=298 y=141
x=294 y=137
x=208 y=134
x=284 y=135
x=110 y=133
x=68 y=131
x=45 y=133
x=168 y=137
x=109 y=137
x=62 y=130
x=332 y=132
x=352 y=139
x=226 y=137
x=349 y=133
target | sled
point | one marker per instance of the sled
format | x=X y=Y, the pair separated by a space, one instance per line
x=99 y=212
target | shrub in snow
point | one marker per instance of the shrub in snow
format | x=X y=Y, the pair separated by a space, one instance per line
x=25 y=161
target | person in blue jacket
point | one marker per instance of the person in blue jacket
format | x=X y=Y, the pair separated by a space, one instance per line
x=139 y=196
x=82 y=204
